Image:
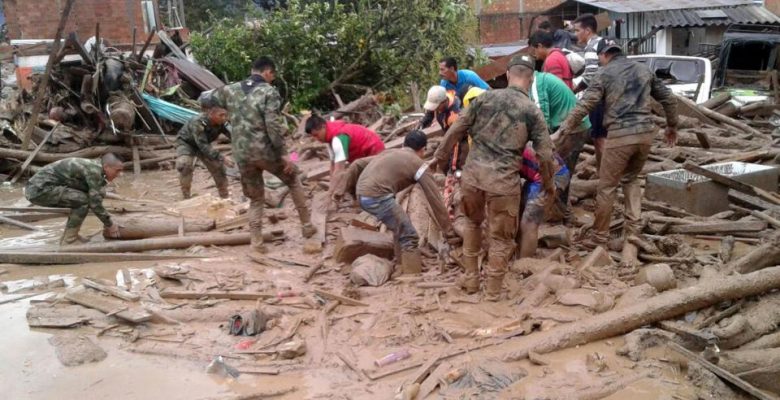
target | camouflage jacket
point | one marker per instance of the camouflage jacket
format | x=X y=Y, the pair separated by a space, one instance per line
x=80 y=174
x=626 y=87
x=255 y=118
x=500 y=123
x=196 y=135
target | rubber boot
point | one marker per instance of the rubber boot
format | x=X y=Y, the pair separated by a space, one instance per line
x=493 y=287
x=224 y=193
x=185 y=191
x=71 y=237
x=411 y=262
x=470 y=279
x=256 y=243
x=299 y=199
x=308 y=230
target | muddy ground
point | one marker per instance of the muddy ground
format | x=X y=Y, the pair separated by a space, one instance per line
x=168 y=357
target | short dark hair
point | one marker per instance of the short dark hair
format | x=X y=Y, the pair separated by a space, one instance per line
x=588 y=21
x=264 y=63
x=541 y=37
x=545 y=26
x=449 y=62
x=415 y=140
x=313 y=123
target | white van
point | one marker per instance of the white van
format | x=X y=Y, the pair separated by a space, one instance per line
x=686 y=76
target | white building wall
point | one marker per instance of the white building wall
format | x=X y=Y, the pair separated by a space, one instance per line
x=663 y=42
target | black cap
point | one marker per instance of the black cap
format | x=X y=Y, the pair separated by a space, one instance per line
x=607 y=45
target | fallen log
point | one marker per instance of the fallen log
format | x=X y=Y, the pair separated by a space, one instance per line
x=766 y=255
x=162 y=243
x=716 y=101
x=665 y=306
x=89 y=152
x=753 y=202
x=143 y=227
x=32 y=155
x=719 y=227
x=41 y=258
x=11 y=221
x=190 y=295
x=719 y=117
x=33 y=217
x=692 y=139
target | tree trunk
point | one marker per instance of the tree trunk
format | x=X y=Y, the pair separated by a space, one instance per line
x=143 y=227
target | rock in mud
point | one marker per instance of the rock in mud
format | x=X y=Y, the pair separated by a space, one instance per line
x=292 y=349
x=592 y=299
x=641 y=339
x=73 y=349
x=370 y=270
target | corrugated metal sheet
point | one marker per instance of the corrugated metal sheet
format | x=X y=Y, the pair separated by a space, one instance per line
x=631 y=6
x=734 y=15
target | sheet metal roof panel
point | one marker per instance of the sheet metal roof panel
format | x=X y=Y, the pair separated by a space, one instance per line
x=735 y=15
x=631 y=6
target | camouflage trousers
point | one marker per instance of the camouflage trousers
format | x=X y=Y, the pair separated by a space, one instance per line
x=61 y=196
x=253 y=186
x=185 y=165
x=501 y=212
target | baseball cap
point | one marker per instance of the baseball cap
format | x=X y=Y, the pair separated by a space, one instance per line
x=607 y=45
x=436 y=95
x=524 y=60
x=207 y=100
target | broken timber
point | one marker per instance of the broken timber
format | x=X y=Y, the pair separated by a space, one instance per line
x=665 y=306
x=719 y=227
x=342 y=299
x=189 y=295
x=766 y=255
x=110 y=289
x=11 y=221
x=108 y=305
x=42 y=258
x=162 y=243
x=731 y=183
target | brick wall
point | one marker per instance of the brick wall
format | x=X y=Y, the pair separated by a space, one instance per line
x=38 y=19
x=500 y=21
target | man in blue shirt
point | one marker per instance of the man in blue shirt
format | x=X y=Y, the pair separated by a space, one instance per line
x=459 y=80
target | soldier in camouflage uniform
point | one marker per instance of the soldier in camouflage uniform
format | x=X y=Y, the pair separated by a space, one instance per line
x=78 y=184
x=625 y=87
x=194 y=141
x=258 y=144
x=500 y=123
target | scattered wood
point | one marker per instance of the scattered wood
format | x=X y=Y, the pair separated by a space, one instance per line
x=20 y=297
x=351 y=365
x=162 y=243
x=110 y=289
x=64 y=211
x=662 y=307
x=766 y=255
x=716 y=116
x=33 y=217
x=312 y=272
x=11 y=221
x=752 y=202
x=89 y=299
x=148 y=226
x=190 y=295
x=719 y=227
x=44 y=258
x=336 y=297
x=599 y=257
x=34 y=153
x=722 y=373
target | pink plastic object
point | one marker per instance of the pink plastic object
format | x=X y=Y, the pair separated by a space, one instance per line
x=393 y=357
x=245 y=344
x=294 y=156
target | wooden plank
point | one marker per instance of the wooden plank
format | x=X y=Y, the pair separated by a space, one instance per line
x=722 y=373
x=190 y=295
x=34 y=153
x=36 y=209
x=112 y=290
x=754 y=202
x=731 y=183
x=433 y=380
x=342 y=299
x=136 y=162
x=11 y=221
x=43 y=258
x=719 y=227
x=33 y=217
x=108 y=305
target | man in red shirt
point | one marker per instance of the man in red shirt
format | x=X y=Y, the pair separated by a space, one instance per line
x=346 y=143
x=555 y=62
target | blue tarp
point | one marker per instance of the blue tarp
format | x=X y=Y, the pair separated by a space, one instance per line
x=168 y=111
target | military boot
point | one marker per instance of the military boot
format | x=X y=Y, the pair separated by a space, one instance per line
x=411 y=262
x=256 y=243
x=308 y=230
x=185 y=192
x=469 y=282
x=224 y=193
x=493 y=287
x=71 y=237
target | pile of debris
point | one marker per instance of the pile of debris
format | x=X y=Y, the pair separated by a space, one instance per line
x=100 y=96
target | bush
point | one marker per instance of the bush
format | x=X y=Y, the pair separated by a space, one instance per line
x=346 y=46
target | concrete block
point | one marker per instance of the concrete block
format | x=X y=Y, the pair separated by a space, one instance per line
x=701 y=196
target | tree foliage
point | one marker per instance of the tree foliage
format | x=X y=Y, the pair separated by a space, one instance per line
x=324 y=45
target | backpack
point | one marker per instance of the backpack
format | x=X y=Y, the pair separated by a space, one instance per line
x=576 y=61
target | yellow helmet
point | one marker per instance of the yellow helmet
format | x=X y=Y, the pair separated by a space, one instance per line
x=471 y=94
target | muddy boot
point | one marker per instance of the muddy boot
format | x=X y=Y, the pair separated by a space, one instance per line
x=629 y=255
x=71 y=237
x=411 y=262
x=308 y=230
x=469 y=282
x=185 y=192
x=493 y=288
x=224 y=193
x=256 y=244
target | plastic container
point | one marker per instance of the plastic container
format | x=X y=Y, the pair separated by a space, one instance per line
x=392 y=358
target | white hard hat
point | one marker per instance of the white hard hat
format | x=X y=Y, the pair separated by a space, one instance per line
x=436 y=95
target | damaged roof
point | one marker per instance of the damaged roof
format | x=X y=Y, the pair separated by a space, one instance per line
x=751 y=14
x=632 y=6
